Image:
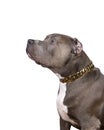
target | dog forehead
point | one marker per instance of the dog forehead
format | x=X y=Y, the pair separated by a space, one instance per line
x=51 y=36
x=59 y=37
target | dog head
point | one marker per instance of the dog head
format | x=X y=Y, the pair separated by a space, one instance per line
x=55 y=51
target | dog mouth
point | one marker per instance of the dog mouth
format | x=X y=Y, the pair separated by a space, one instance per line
x=29 y=55
x=28 y=51
x=32 y=58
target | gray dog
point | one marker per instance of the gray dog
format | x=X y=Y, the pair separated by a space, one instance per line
x=80 y=100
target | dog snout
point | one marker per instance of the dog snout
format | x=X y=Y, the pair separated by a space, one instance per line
x=30 y=41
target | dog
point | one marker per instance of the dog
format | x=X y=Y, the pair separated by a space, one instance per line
x=80 y=100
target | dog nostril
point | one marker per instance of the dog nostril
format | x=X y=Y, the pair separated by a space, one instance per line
x=30 y=41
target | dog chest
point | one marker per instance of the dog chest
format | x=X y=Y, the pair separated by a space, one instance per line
x=62 y=109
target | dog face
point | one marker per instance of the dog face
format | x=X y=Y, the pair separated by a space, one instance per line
x=54 y=52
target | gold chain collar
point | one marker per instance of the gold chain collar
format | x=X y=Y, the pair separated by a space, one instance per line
x=79 y=74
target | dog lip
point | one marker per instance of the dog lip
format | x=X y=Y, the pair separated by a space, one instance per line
x=29 y=55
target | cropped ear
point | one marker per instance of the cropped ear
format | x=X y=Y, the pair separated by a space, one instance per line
x=77 y=48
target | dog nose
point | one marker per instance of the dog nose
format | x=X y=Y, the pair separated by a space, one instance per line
x=30 y=41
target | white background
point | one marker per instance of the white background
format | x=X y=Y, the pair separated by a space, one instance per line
x=27 y=91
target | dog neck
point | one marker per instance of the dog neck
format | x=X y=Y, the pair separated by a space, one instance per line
x=78 y=74
x=76 y=68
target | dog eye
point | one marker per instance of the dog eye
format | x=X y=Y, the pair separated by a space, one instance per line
x=53 y=41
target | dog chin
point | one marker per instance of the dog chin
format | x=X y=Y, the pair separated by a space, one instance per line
x=40 y=63
x=29 y=55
